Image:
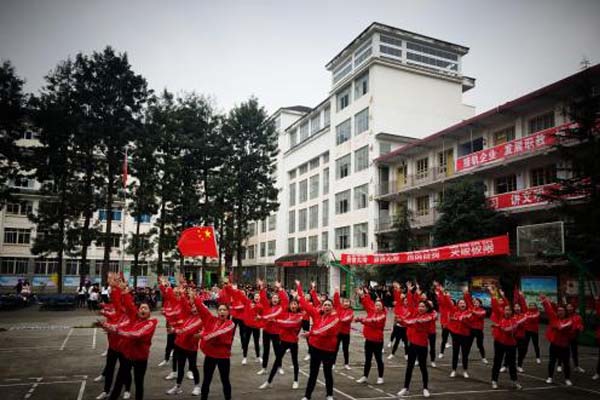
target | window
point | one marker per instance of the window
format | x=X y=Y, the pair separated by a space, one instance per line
x=342 y=202
x=506 y=184
x=313 y=243
x=504 y=135
x=47 y=267
x=263 y=249
x=303 y=169
x=303 y=191
x=390 y=40
x=251 y=252
x=360 y=235
x=292 y=175
x=432 y=51
x=342 y=167
x=303 y=131
x=361 y=86
x=341 y=71
x=470 y=147
x=343 y=98
x=22 y=208
x=384 y=148
x=302 y=214
x=23 y=182
x=422 y=168
x=144 y=218
x=423 y=205
x=326 y=117
x=293 y=138
x=313 y=217
x=343 y=132
x=342 y=238
x=29 y=135
x=543 y=176
x=314 y=186
x=14 y=266
x=361 y=159
x=326 y=181
x=325 y=157
x=301 y=245
x=72 y=267
x=291 y=245
x=272 y=222
x=263 y=225
x=325 y=213
x=434 y=62
x=271 y=248
x=315 y=123
x=243 y=251
x=392 y=51
x=314 y=163
x=292 y=221
x=103 y=215
x=361 y=196
x=292 y=194
x=361 y=121
x=115 y=240
x=541 y=122
x=251 y=229
x=17 y=236
x=325 y=241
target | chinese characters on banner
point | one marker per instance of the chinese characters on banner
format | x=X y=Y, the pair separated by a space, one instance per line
x=493 y=246
x=527 y=144
x=521 y=198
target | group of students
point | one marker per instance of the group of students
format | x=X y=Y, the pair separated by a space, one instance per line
x=326 y=325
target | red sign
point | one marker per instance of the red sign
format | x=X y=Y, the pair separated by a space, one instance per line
x=522 y=198
x=524 y=145
x=198 y=242
x=493 y=246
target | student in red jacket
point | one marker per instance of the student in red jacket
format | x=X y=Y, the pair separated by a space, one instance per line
x=418 y=327
x=558 y=334
x=216 y=338
x=136 y=341
x=458 y=323
x=322 y=342
x=306 y=322
x=252 y=309
x=444 y=305
x=476 y=323
x=531 y=327
x=373 y=325
x=398 y=329
x=576 y=329
x=186 y=344
x=168 y=296
x=271 y=309
x=346 y=316
x=289 y=323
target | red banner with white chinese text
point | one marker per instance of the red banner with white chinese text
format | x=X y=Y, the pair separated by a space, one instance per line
x=522 y=198
x=493 y=246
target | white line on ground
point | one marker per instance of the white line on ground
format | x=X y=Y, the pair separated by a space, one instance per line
x=40 y=383
x=558 y=385
x=66 y=339
x=323 y=384
x=81 y=390
x=465 y=392
x=94 y=339
x=10 y=349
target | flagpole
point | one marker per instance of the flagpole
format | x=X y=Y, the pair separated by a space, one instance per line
x=123 y=241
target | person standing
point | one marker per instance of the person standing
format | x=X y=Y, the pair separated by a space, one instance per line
x=373 y=325
x=252 y=309
x=346 y=316
x=531 y=327
x=444 y=304
x=459 y=328
x=271 y=310
x=558 y=334
x=399 y=330
x=476 y=323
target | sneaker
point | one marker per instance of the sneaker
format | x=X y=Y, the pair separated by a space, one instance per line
x=99 y=378
x=559 y=369
x=503 y=369
x=261 y=372
x=104 y=354
x=244 y=361
x=190 y=375
x=175 y=390
x=347 y=367
x=329 y=398
x=494 y=385
x=196 y=391
x=305 y=398
x=426 y=393
x=448 y=345
x=126 y=395
x=258 y=360
x=466 y=375
x=102 y=395
x=596 y=377
x=265 y=385
x=517 y=386
x=390 y=357
x=307 y=357
x=163 y=363
x=295 y=385
x=416 y=363
x=453 y=374
x=403 y=392
x=433 y=364
x=406 y=357
x=580 y=370
x=441 y=355
x=281 y=371
x=568 y=382
x=379 y=381
x=538 y=361
x=485 y=361
x=389 y=344
x=520 y=369
x=172 y=375
x=362 y=380
x=549 y=380
x=333 y=367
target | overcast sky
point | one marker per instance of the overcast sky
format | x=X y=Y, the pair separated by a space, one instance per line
x=277 y=50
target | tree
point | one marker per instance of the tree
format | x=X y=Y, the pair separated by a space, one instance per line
x=402 y=240
x=13 y=113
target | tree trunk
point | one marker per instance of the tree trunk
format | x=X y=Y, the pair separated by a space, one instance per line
x=88 y=214
x=61 y=247
x=136 y=254
x=161 y=234
x=107 y=233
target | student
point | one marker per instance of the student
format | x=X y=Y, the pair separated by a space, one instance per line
x=215 y=342
x=172 y=308
x=346 y=315
x=476 y=323
x=236 y=308
x=558 y=334
x=289 y=323
x=531 y=327
x=322 y=341
x=418 y=328
x=373 y=325
x=460 y=330
x=531 y=321
x=252 y=309
x=444 y=302
x=576 y=329
x=399 y=330
x=271 y=310
x=306 y=323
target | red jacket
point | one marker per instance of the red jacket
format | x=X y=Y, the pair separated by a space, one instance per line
x=346 y=315
x=558 y=331
x=503 y=331
x=271 y=312
x=477 y=314
x=217 y=334
x=374 y=322
x=445 y=306
x=289 y=326
x=236 y=307
x=532 y=324
x=401 y=310
x=418 y=328
x=185 y=333
x=577 y=327
x=325 y=328
x=251 y=310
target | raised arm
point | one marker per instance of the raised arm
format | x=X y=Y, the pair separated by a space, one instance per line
x=314 y=295
x=367 y=302
x=203 y=311
x=337 y=304
x=306 y=306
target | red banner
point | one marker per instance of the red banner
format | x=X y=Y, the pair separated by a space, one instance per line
x=522 y=198
x=527 y=144
x=493 y=246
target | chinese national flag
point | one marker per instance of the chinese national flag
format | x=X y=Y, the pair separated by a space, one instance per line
x=198 y=241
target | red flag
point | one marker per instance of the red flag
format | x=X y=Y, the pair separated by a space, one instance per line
x=198 y=241
x=124 y=176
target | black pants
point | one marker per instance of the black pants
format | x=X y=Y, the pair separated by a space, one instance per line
x=574 y=347
x=559 y=353
x=209 y=369
x=109 y=370
x=373 y=349
x=170 y=346
x=598 y=364
x=416 y=353
x=269 y=338
x=431 y=338
x=283 y=346
x=521 y=351
x=316 y=358
x=508 y=353
x=124 y=374
x=535 y=338
x=243 y=329
x=191 y=357
x=400 y=335
x=445 y=333
x=460 y=343
x=254 y=333
x=477 y=338
x=344 y=341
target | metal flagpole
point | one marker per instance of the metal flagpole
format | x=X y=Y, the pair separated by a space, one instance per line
x=124 y=217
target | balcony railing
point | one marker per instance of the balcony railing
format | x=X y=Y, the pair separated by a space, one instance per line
x=422 y=218
x=384 y=223
x=420 y=178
